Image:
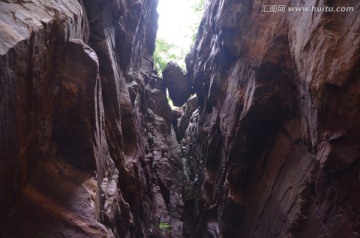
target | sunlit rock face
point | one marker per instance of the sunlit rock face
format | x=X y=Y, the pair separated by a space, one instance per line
x=274 y=148
x=86 y=145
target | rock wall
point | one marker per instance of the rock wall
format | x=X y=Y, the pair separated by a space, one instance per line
x=273 y=149
x=86 y=145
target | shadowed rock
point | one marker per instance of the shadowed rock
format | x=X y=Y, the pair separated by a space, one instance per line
x=86 y=144
x=273 y=149
x=178 y=85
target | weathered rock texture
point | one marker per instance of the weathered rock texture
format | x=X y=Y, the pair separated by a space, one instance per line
x=182 y=116
x=86 y=145
x=274 y=148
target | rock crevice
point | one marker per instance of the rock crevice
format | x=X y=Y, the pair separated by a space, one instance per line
x=89 y=146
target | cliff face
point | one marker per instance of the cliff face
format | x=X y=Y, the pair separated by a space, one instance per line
x=269 y=148
x=274 y=148
x=86 y=146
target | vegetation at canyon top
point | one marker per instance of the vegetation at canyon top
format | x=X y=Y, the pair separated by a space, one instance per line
x=165 y=52
x=178 y=23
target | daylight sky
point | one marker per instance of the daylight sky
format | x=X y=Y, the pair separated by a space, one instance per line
x=176 y=18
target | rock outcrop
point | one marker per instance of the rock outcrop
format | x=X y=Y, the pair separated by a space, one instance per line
x=178 y=85
x=273 y=149
x=182 y=116
x=86 y=145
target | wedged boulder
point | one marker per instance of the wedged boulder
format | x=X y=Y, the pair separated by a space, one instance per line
x=177 y=83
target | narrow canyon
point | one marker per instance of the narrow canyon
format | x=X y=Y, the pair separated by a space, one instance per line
x=265 y=142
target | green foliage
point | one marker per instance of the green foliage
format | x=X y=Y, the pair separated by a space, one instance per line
x=198 y=8
x=164 y=226
x=166 y=52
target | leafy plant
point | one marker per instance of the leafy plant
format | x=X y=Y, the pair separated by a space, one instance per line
x=198 y=9
x=166 y=52
x=164 y=226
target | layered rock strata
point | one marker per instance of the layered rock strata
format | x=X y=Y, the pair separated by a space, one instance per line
x=274 y=148
x=86 y=146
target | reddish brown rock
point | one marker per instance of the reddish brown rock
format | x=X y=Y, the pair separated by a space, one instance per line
x=86 y=145
x=275 y=151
